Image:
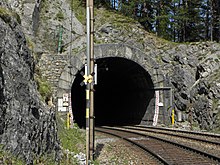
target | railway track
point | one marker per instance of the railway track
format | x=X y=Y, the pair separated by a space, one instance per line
x=163 y=150
x=198 y=136
x=207 y=142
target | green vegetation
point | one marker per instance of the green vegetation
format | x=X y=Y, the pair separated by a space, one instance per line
x=46 y=159
x=118 y=20
x=60 y=16
x=72 y=142
x=72 y=139
x=6 y=15
x=105 y=15
x=178 y=21
x=30 y=44
x=44 y=5
x=79 y=10
x=215 y=103
x=43 y=87
x=8 y=159
x=124 y=24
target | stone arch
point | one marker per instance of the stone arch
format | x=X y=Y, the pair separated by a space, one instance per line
x=77 y=62
x=118 y=52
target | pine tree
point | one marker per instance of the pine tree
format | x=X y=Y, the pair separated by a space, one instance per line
x=164 y=19
x=175 y=20
x=147 y=15
x=216 y=20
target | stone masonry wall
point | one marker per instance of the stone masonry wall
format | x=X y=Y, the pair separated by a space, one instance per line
x=51 y=67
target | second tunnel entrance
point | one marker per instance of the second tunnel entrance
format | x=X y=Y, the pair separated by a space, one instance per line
x=123 y=95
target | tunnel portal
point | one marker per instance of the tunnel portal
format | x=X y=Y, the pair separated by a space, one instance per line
x=122 y=95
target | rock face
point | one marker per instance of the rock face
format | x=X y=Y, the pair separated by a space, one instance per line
x=192 y=69
x=45 y=22
x=27 y=126
x=194 y=73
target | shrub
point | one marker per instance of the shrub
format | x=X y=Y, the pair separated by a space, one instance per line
x=44 y=88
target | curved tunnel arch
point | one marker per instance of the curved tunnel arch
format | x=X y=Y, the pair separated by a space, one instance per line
x=127 y=79
x=122 y=96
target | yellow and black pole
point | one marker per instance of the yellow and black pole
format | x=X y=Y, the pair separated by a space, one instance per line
x=89 y=83
x=68 y=120
x=91 y=123
x=173 y=117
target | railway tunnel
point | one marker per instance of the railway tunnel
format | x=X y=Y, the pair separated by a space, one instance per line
x=123 y=94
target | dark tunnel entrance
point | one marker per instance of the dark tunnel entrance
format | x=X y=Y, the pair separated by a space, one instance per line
x=122 y=94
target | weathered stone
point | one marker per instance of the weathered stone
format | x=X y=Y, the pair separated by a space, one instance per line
x=202 y=113
x=166 y=58
x=192 y=61
x=107 y=28
x=28 y=126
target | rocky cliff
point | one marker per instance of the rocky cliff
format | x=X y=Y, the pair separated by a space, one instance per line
x=193 y=70
x=27 y=125
x=45 y=22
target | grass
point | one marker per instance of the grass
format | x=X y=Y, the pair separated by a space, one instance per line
x=43 y=87
x=60 y=16
x=72 y=139
x=7 y=158
x=79 y=10
x=6 y=15
x=72 y=142
x=101 y=16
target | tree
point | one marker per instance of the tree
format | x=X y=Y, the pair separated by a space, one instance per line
x=215 y=5
x=163 y=19
x=195 y=24
x=175 y=20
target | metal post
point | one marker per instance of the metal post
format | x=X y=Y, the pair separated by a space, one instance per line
x=68 y=120
x=91 y=123
x=171 y=107
x=190 y=114
x=69 y=65
x=88 y=85
x=173 y=117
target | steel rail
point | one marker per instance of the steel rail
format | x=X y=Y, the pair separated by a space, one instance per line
x=182 y=131
x=162 y=160
x=176 y=135
x=213 y=157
